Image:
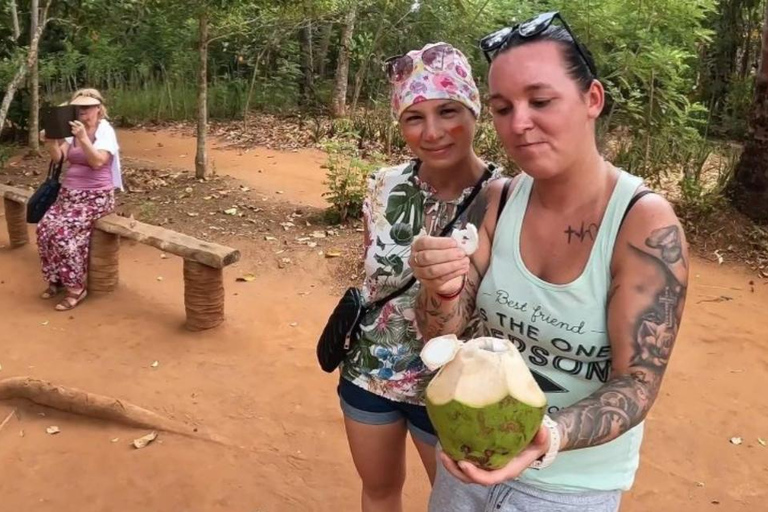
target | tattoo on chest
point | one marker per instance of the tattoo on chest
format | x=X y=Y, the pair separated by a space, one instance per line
x=583 y=232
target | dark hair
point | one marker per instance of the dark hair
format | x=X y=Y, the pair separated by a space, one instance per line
x=576 y=67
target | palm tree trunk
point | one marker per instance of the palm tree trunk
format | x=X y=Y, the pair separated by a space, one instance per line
x=749 y=190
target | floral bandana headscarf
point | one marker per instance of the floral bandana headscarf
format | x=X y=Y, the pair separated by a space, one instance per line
x=437 y=71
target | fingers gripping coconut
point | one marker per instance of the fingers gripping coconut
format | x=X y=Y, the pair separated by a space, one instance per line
x=484 y=403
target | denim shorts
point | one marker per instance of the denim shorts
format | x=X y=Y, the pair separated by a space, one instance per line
x=362 y=406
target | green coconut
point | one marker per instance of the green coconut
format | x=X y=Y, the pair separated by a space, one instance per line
x=484 y=402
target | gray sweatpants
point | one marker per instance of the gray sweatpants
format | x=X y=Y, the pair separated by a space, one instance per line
x=452 y=495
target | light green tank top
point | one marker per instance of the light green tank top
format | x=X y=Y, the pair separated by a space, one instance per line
x=561 y=332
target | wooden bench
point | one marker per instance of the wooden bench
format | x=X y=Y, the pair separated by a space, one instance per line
x=203 y=261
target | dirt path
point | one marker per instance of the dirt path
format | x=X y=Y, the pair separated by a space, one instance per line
x=297 y=174
x=255 y=381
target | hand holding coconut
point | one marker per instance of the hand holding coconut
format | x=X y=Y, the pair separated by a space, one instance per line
x=487 y=409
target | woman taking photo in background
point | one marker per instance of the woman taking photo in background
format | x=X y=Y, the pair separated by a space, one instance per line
x=87 y=193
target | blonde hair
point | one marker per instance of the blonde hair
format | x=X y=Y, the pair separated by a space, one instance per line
x=95 y=94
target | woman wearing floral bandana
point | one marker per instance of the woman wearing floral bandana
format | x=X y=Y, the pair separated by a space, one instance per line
x=436 y=103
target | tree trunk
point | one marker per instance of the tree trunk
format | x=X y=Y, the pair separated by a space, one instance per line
x=21 y=73
x=339 y=102
x=252 y=86
x=307 y=84
x=749 y=190
x=34 y=83
x=363 y=71
x=321 y=59
x=15 y=21
x=10 y=92
x=201 y=157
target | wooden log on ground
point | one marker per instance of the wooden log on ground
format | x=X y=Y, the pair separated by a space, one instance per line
x=16 y=220
x=103 y=273
x=203 y=296
x=189 y=248
x=77 y=401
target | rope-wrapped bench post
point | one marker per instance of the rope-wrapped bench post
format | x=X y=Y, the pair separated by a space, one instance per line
x=16 y=220
x=203 y=295
x=103 y=273
x=203 y=266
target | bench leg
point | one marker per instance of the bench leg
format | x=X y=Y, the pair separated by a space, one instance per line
x=203 y=295
x=103 y=265
x=16 y=219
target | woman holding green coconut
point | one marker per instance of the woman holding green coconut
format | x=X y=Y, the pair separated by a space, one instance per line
x=578 y=265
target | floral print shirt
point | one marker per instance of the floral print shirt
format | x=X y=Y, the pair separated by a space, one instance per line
x=397 y=207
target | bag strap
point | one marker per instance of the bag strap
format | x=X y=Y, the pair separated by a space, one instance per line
x=503 y=199
x=632 y=202
x=447 y=229
x=54 y=168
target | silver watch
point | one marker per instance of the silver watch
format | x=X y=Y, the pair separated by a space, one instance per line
x=554 y=444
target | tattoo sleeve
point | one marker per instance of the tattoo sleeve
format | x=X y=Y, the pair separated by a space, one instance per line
x=650 y=330
x=437 y=316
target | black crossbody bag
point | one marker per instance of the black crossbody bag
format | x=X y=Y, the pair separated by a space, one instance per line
x=46 y=193
x=342 y=331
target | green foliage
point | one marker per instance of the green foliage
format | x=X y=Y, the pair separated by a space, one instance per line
x=346 y=178
x=6 y=152
x=663 y=62
x=706 y=176
x=737 y=108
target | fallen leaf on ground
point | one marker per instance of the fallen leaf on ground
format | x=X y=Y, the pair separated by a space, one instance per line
x=115 y=439
x=145 y=440
x=155 y=364
x=52 y=430
x=736 y=440
x=247 y=278
x=332 y=254
x=761 y=441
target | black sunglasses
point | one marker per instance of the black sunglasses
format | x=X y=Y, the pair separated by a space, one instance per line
x=492 y=43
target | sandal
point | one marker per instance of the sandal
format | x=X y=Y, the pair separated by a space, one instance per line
x=52 y=291
x=71 y=300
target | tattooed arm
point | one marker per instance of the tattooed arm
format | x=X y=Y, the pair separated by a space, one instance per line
x=443 y=269
x=645 y=306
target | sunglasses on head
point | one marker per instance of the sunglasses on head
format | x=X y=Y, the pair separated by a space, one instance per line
x=435 y=59
x=496 y=41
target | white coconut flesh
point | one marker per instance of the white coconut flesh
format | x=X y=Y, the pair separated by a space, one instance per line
x=484 y=372
x=440 y=351
x=467 y=238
